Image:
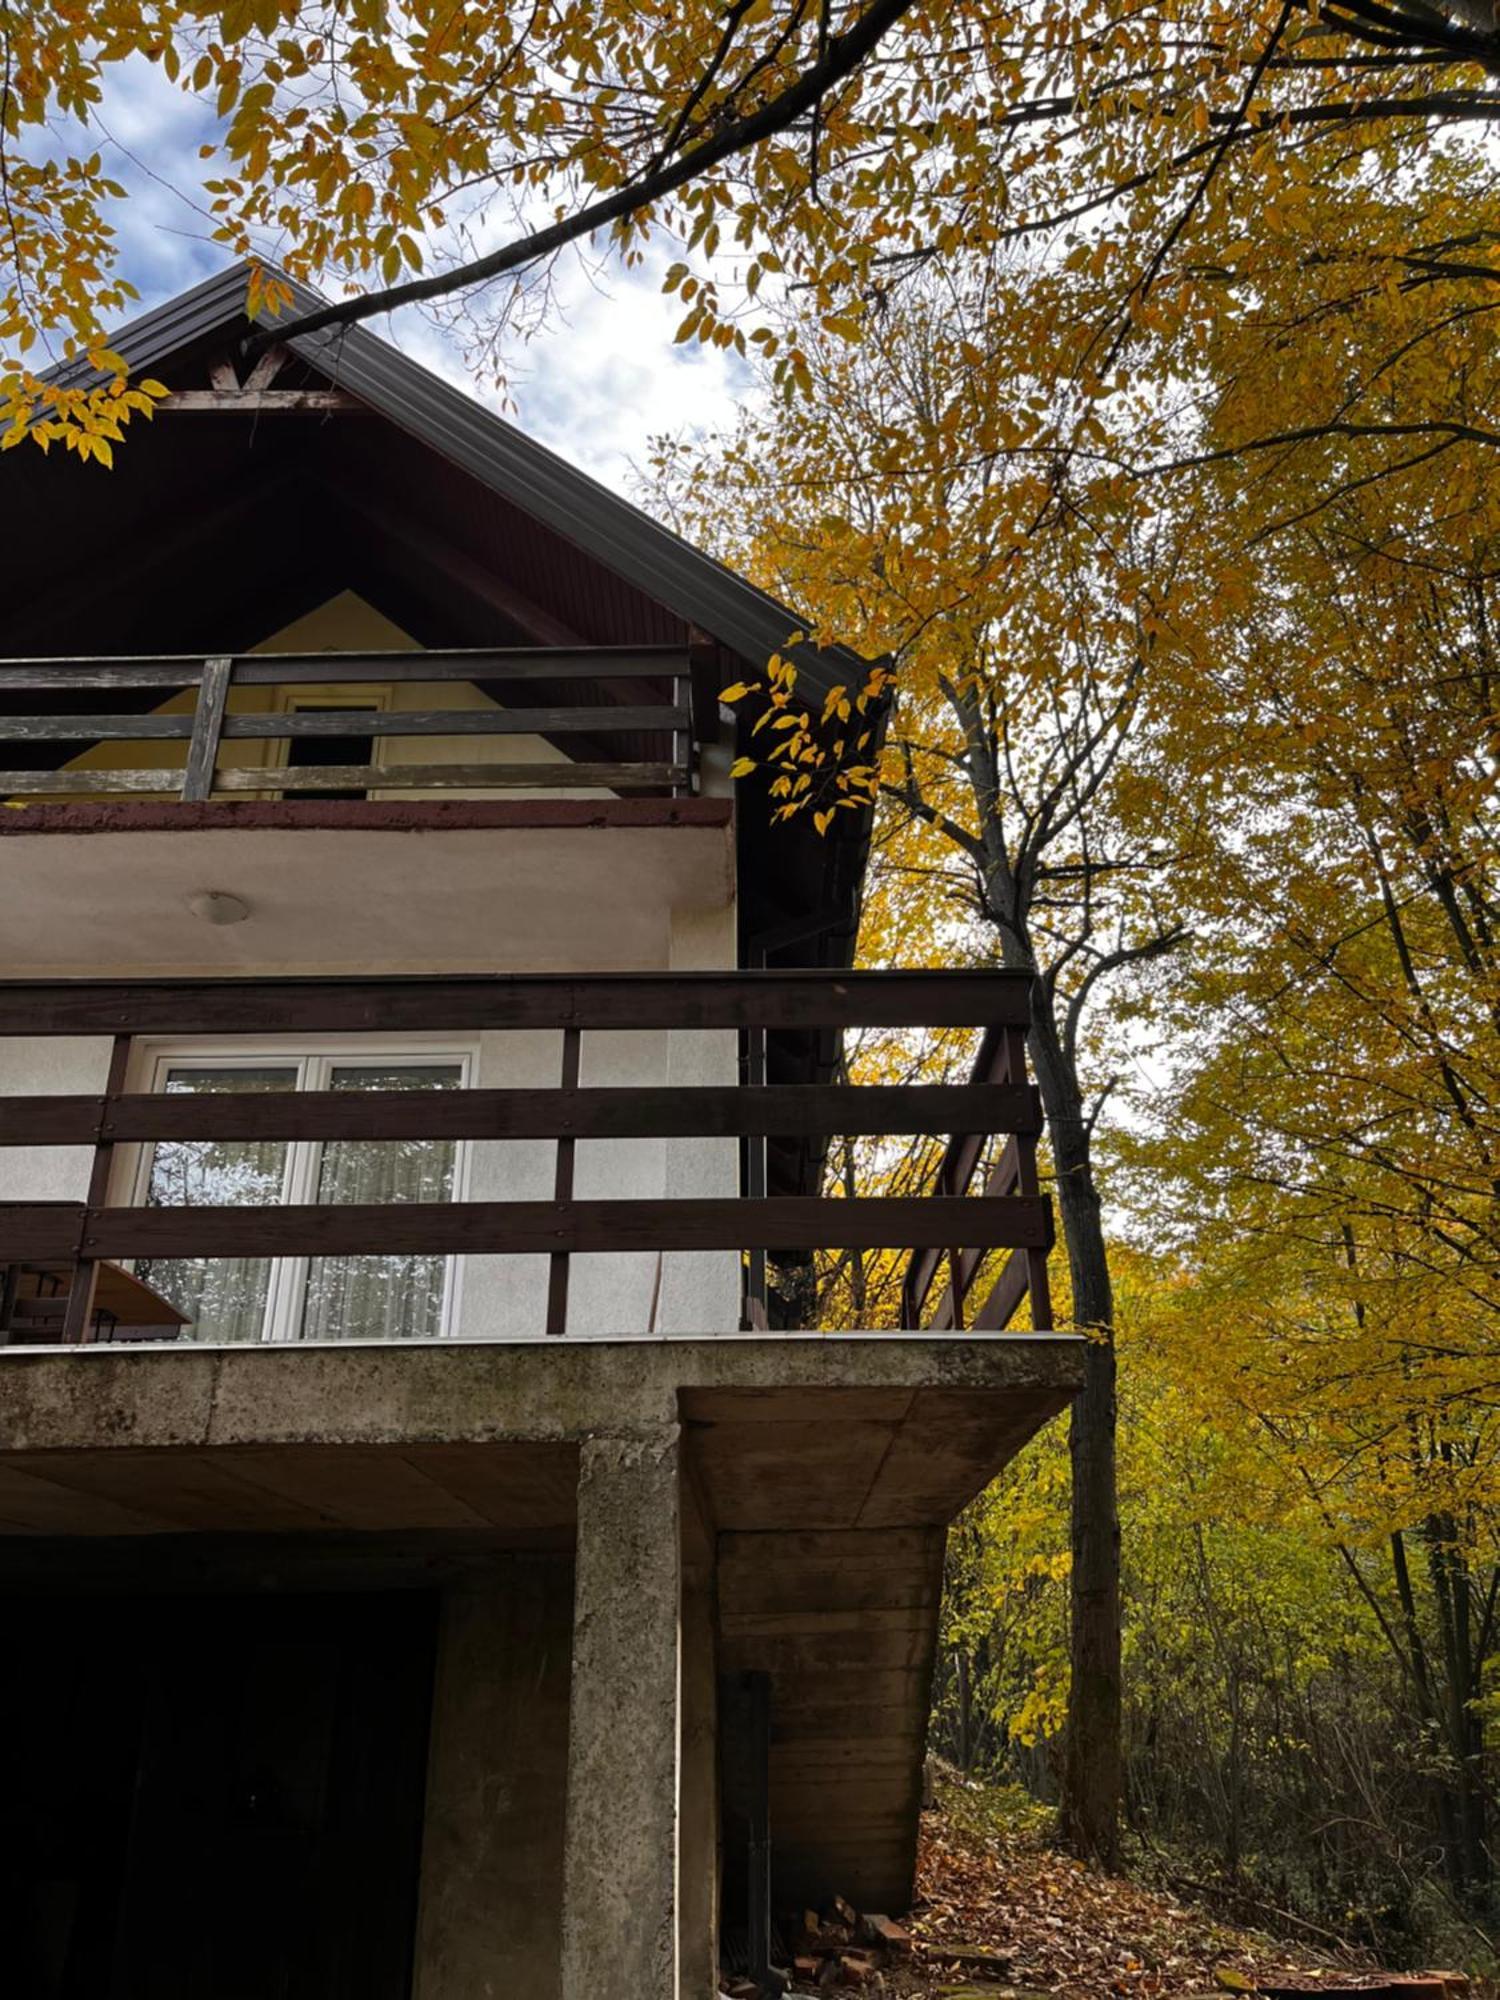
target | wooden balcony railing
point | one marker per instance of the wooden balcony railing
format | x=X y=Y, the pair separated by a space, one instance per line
x=949 y=1228
x=637 y=715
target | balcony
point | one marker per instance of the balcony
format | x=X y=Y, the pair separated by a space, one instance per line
x=696 y=1187
x=365 y=807
x=616 y=720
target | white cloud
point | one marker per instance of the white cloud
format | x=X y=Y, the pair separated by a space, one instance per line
x=596 y=385
x=606 y=375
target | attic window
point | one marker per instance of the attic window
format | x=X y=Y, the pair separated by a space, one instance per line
x=354 y=749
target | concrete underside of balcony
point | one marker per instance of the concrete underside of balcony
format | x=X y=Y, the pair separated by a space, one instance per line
x=341 y=886
x=787 y=1431
x=810 y=1480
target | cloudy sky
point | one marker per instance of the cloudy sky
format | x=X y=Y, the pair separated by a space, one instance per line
x=602 y=380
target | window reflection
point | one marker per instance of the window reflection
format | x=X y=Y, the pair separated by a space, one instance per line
x=323 y=1298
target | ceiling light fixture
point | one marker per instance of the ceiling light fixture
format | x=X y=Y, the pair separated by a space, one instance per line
x=217 y=906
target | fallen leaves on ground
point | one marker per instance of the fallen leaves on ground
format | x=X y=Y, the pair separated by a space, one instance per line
x=1060 y=1928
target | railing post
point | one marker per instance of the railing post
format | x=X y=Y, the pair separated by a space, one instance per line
x=208 y=723
x=1038 y=1286
x=945 y=1186
x=682 y=745
x=957 y=1287
x=562 y=1190
x=705 y=675
x=78 y=1315
x=757 y=1319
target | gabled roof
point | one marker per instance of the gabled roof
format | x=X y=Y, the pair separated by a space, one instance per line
x=699 y=588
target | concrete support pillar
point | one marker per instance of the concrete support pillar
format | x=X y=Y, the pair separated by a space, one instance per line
x=698 y=1786
x=620 y=1870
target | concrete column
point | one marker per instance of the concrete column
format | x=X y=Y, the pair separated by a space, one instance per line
x=620 y=1870
x=698 y=1787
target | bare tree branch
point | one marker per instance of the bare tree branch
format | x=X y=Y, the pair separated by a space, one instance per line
x=843 y=56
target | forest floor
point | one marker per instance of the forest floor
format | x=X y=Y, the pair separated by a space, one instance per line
x=989 y=1882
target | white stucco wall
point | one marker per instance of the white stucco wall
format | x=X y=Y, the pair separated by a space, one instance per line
x=49 y=1069
x=561 y=900
x=701 y=1290
x=506 y=1297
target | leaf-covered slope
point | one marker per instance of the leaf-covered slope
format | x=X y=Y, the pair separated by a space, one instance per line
x=988 y=1879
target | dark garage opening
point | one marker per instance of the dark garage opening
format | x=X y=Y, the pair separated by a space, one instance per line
x=213 y=1796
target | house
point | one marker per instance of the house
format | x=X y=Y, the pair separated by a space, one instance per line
x=437 y=1563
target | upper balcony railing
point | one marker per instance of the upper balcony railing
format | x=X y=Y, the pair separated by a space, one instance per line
x=632 y=714
x=948 y=1230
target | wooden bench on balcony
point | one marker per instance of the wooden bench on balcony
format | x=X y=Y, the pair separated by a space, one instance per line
x=34 y=1306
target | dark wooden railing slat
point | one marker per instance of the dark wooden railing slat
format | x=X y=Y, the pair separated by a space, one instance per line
x=355 y=779
x=540 y=776
x=314 y=722
x=706 y=1111
x=146 y=728
x=603 y=663
x=417 y=1003
x=41 y=1232
x=534 y=777
x=481 y=663
x=731 y=1222
x=164 y=673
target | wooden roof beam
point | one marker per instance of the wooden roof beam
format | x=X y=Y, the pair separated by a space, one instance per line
x=239 y=402
x=255 y=394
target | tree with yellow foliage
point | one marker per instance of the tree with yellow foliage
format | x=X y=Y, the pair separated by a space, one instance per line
x=1332 y=1129
x=1026 y=820
x=1233 y=637
x=838 y=148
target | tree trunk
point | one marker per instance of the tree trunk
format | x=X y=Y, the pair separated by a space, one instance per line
x=965 y=1745
x=1092 y=1772
x=1468 y=1856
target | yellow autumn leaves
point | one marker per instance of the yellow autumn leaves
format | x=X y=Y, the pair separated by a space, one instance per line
x=356 y=142
x=815 y=762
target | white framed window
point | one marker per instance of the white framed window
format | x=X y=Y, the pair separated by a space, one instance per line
x=305 y=1298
